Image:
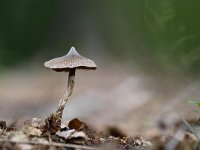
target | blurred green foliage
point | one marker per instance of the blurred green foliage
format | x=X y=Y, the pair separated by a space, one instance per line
x=161 y=33
x=174 y=27
x=23 y=28
x=196 y=103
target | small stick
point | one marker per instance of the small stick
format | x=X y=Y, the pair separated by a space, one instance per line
x=51 y=144
x=190 y=128
x=187 y=125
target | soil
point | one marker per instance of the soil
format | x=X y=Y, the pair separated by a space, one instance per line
x=132 y=101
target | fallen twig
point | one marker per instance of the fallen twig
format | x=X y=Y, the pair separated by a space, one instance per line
x=187 y=124
x=51 y=144
x=190 y=128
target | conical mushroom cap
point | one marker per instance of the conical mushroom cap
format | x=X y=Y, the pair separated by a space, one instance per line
x=71 y=60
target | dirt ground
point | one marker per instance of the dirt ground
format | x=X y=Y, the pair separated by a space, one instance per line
x=129 y=99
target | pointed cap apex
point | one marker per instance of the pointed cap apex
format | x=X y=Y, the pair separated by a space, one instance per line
x=73 y=52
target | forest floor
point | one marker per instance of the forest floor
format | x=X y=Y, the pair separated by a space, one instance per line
x=122 y=103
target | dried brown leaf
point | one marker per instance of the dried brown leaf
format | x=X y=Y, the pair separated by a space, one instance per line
x=77 y=124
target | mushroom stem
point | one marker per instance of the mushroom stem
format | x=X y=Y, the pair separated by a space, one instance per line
x=68 y=93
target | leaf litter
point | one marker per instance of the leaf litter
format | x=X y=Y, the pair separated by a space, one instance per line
x=77 y=135
x=74 y=136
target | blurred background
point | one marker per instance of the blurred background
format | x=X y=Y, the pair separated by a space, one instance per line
x=147 y=52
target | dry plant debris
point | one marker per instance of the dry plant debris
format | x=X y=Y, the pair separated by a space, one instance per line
x=77 y=136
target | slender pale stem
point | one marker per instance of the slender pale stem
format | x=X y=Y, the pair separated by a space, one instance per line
x=68 y=93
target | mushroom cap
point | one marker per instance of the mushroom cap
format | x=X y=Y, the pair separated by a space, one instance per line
x=71 y=60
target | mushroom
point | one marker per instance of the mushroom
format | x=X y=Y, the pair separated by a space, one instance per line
x=69 y=63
